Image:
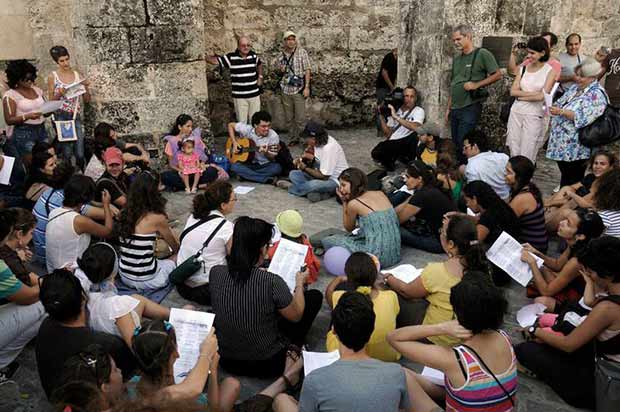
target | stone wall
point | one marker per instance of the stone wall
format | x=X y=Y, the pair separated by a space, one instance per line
x=346 y=40
x=426 y=48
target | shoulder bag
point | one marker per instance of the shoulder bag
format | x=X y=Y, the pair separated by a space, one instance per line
x=193 y=263
x=482 y=92
x=604 y=130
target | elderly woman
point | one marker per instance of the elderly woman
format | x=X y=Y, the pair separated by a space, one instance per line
x=581 y=105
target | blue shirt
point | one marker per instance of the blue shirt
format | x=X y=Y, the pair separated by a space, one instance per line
x=490 y=167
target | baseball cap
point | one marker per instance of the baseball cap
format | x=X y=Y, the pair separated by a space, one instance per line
x=428 y=128
x=290 y=223
x=313 y=129
x=113 y=155
x=288 y=34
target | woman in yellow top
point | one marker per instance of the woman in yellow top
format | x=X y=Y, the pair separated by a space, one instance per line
x=459 y=239
x=361 y=275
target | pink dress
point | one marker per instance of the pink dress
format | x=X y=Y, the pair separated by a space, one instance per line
x=189 y=163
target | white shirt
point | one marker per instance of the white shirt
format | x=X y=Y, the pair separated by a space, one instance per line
x=568 y=67
x=332 y=159
x=490 y=167
x=417 y=115
x=214 y=254
x=272 y=138
x=63 y=244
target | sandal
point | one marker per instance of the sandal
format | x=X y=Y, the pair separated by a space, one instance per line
x=293 y=352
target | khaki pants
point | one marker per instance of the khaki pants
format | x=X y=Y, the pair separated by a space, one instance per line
x=294 y=113
x=245 y=108
x=525 y=135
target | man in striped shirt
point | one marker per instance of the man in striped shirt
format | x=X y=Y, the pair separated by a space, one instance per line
x=246 y=78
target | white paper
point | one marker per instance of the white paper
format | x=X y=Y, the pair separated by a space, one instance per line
x=74 y=90
x=471 y=212
x=7 y=168
x=407 y=273
x=191 y=328
x=316 y=360
x=549 y=97
x=433 y=375
x=356 y=231
x=506 y=253
x=404 y=188
x=51 y=106
x=526 y=316
x=288 y=260
x=243 y=190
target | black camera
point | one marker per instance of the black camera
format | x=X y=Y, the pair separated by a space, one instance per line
x=395 y=98
x=521 y=45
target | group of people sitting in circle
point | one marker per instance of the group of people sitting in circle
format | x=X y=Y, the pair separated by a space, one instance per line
x=102 y=345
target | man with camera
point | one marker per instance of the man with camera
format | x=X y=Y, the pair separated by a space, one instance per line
x=293 y=66
x=386 y=81
x=472 y=71
x=399 y=130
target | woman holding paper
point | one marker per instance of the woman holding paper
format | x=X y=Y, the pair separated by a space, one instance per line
x=526 y=121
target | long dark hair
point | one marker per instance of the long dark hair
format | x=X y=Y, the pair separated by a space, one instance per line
x=143 y=197
x=249 y=237
x=419 y=170
x=357 y=179
x=153 y=345
x=590 y=225
x=493 y=205
x=36 y=175
x=607 y=194
x=524 y=172
x=462 y=232
x=178 y=123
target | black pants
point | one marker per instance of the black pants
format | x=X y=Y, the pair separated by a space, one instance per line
x=388 y=151
x=172 y=180
x=572 y=172
x=199 y=294
x=294 y=332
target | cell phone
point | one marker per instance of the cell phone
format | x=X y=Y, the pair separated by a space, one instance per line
x=522 y=45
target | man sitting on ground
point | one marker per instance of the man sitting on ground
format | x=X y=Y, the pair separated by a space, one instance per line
x=114 y=179
x=262 y=168
x=428 y=134
x=356 y=382
x=484 y=164
x=318 y=168
x=399 y=130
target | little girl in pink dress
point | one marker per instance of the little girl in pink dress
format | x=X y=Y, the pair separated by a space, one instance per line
x=189 y=165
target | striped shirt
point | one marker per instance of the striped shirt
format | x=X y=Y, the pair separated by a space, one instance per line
x=9 y=284
x=611 y=220
x=246 y=313
x=243 y=73
x=533 y=230
x=137 y=257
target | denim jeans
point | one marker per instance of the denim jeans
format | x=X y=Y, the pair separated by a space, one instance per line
x=19 y=325
x=398 y=197
x=427 y=243
x=462 y=121
x=303 y=184
x=26 y=135
x=172 y=180
x=255 y=172
x=69 y=149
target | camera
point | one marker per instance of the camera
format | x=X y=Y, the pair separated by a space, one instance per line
x=521 y=45
x=295 y=81
x=395 y=98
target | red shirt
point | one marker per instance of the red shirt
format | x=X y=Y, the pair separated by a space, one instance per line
x=312 y=262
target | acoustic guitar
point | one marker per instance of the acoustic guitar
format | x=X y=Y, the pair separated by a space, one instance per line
x=244 y=150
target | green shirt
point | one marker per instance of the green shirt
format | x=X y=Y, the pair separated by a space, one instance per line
x=9 y=284
x=461 y=68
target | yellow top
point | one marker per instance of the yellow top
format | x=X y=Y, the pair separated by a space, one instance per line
x=438 y=281
x=386 y=309
x=429 y=157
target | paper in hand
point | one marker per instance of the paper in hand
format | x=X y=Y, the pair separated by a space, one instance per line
x=288 y=260
x=527 y=315
x=316 y=360
x=506 y=254
x=407 y=273
x=548 y=97
x=51 y=106
x=74 y=90
x=433 y=375
x=7 y=168
x=191 y=328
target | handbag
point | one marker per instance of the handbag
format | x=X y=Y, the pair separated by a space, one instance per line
x=193 y=263
x=604 y=130
x=504 y=112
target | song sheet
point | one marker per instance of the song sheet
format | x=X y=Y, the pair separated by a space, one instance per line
x=74 y=90
x=549 y=97
x=191 y=328
x=7 y=168
x=243 y=190
x=506 y=253
x=288 y=260
x=433 y=375
x=526 y=316
x=51 y=106
x=407 y=273
x=315 y=360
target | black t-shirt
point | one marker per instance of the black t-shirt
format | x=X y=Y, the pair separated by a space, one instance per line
x=117 y=187
x=586 y=184
x=56 y=343
x=433 y=204
x=496 y=228
x=390 y=64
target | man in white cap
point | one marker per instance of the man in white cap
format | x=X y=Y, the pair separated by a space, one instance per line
x=293 y=67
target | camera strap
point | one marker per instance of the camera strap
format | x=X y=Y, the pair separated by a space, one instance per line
x=288 y=65
x=406 y=118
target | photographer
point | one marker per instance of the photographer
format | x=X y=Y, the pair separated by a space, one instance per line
x=401 y=140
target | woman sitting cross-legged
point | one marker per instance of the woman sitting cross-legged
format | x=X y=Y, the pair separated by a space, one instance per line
x=559 y=281
x=378 y=223
x=481 y=373
x=256 y=315
x=459 y=240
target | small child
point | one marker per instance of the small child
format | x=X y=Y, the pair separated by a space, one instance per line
x=189 y=164
x=289 y=224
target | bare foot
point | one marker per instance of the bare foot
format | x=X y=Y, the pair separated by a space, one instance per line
x=292 y=370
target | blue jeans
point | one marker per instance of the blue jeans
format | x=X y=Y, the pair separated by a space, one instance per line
x=462 y=121
x=398 y=197
x=26 y=135
x=69 y=149
x=255 y=172
x=427 y=243
x=303 y=184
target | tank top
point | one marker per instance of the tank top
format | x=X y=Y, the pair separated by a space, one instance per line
x=480 y=392
x=532 y=227
x=25 y=105
x=137 y=257
x=532 y=82
x=68 y=105
x=63 y=244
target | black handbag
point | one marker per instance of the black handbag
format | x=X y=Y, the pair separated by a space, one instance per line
x=604 y=130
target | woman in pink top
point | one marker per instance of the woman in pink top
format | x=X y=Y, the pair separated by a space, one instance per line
x=22 y=108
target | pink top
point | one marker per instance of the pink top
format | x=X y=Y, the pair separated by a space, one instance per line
x=25 y=106
x=189 y=163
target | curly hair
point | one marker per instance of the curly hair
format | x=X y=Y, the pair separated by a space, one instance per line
x=607 y=195
x=143 y=198
x=17 y=70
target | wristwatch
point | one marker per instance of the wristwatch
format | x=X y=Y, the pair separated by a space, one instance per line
x=532 y=330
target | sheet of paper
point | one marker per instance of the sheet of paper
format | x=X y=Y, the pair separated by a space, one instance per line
x=315 y=360
x=74 y=90
x=288 y=260
x=7 y=168
x=407 y=273
x=506 y=253
x=526 y=316
x=243 y=190
x=404 y=188
x=471 y=212
x=433 y=375
x=191 y=328
x=51 y=106
x=549 y=97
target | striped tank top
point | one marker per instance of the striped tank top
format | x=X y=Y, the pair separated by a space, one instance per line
x=533 y=230
x=137 y=257
x=480 y=392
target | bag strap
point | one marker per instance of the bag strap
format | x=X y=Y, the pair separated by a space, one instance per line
x=195 y=225
x=206 y=243
x=484 y=365
x=105 y=179
x=406 y=118
x=58 y=215
x=473 y=63
x=47 y=202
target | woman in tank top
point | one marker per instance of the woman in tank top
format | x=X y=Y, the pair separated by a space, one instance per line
x=526 y=121
x=57 y=84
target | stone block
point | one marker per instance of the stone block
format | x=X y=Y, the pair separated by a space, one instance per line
x=509 y=16
x=122 y=114
x=284 y=2
x=538 y=17
x=379 y=38
x=16 y=38
x=178 y=12
x=13 y=8
x=110 y=13
x=242 y=18
x=291 y=17
x=479 y=14
x=323 y=38
x=424 y=15
x=330 y=3
x=160 y=44
x=603 y=9
x=104 y=44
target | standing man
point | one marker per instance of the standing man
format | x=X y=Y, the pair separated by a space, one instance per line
x=399 y=131
x=386 y=81
x=246 y=78
x=472 y=71
x=569 y=61
x=293 y=67
x=612 y=82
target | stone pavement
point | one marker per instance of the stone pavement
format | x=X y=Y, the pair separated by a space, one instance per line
x=265 y=202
